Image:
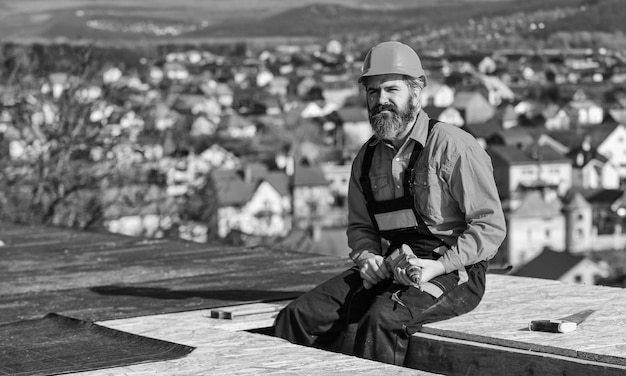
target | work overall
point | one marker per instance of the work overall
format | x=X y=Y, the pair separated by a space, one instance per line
x=388 y=313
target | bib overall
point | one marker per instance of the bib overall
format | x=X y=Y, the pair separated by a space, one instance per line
x=377 y=323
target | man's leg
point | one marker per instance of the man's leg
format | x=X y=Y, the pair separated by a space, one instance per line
x=381 y=334
x=385 y=330
x=319 y=316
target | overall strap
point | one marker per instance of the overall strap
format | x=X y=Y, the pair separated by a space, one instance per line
x=364 y=179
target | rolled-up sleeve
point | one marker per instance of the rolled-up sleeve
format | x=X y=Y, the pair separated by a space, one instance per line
x=473 y=186
x=361 y=233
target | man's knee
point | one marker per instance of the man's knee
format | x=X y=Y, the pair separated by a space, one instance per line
x=380 y=314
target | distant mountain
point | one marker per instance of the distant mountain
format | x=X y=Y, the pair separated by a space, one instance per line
x=160 y=20
x=599 y=15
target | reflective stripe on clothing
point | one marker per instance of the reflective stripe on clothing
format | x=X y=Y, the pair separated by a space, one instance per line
x=404 y=218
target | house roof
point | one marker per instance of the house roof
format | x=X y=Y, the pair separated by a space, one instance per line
x=533 y=205
x=606 y=196
x=279 y=180
x=463 y=99
x=516 y=136
x=575 y=200
x=234 y=120
x=549 y=264
x=533 y=154
x=309 y=176
x=601 y=132
x=433 y=111
x=484 y=129
x=588 y=156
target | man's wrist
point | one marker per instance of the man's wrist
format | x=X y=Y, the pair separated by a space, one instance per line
x=362 y=256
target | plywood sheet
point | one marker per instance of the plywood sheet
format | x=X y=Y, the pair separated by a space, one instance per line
x=510 y=303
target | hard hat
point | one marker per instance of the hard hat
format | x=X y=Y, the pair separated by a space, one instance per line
x=392 y=57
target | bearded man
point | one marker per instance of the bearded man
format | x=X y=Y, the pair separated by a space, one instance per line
x=424 y=219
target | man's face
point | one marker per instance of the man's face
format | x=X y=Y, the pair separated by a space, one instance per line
x=392 y=105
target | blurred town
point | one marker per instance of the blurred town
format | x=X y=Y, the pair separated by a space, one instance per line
x=255 y=148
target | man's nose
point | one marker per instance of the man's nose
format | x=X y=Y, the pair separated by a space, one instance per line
x=382 y=98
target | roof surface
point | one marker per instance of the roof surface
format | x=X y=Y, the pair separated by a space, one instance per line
x=549 y=264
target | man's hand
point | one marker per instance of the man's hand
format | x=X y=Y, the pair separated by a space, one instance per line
x=430 y=268
x=372 y=269
x=401 y=259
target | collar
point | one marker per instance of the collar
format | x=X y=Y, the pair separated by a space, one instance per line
x=419 y=133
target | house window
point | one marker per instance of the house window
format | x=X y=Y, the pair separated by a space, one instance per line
x=578 y=278
x=548 y=233
x=580 y=217
x=579 y=234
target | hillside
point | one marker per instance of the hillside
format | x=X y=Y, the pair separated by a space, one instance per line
x=132 y=21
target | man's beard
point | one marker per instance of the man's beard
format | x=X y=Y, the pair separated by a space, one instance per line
x=389 y=125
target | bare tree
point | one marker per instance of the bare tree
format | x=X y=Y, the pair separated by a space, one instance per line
x=50 y=175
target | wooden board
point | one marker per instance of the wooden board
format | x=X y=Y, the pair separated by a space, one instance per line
x=234 y=312
x=510 y=303
x=223 y=348
x=476 y=358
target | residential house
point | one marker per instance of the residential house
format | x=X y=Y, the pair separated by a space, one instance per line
x=311 y=193
x=564 y=267
x=356 y=128
x=317 y=109
x=197 y=104
x=437 y=94
x=448 y=115
x=473 y=106
x=610 y=141
x=138 y=210
x=497 y=91
x=202 y=126
x=609 y=218
x=278 y=87
x=338 y=176
x=252 y=207
x=175 y=71
x=218 y=91
x=336 y=89
x=583 y=112
x=487 y=65
x=219 y=158
x=236 y=126
x=535 y=167
x=518 y=137
x=534 y=221
x=592 y=170
x=556 y=118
